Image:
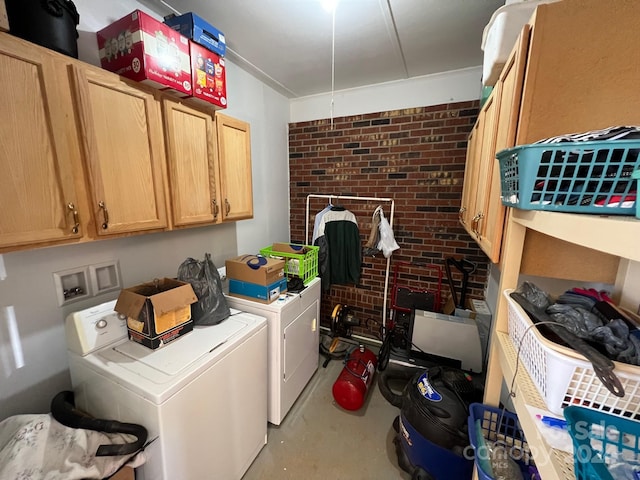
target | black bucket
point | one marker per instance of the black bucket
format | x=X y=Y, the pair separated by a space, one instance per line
x=50 y=23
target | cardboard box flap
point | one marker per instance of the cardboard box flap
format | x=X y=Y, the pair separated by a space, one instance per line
x=130 y=303
x=165 y=295
x=176 y=297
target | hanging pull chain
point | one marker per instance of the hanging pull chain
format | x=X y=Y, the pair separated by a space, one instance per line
x=333 y=61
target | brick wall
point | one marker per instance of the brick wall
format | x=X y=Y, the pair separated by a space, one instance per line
x=415 y=156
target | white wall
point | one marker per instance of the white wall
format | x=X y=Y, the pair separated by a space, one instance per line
x=455 y=86
x=33 y=364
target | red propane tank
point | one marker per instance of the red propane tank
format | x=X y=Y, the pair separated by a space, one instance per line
x=350 y=389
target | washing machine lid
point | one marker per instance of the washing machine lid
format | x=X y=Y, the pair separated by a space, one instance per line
x=158 y=374
x=182 y=352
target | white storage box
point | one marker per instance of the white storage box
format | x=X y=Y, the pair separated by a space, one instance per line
x=563 y=377
x=500 y=36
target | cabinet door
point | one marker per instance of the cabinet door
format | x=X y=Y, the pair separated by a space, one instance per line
x=192 y=161
x=485 y=218
x=509 y=92
x=468 y=189
x=121 y=126
x=486 y=161
x=38 y=153
x=234 y=155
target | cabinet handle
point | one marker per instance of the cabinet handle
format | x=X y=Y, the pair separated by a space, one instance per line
x=105 y=212
x=474 y=226
x=227 y=206
x=76 y=223
x=460 y=213
x=216 y=209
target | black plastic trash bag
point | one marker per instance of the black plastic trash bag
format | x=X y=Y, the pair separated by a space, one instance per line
x=211 y=307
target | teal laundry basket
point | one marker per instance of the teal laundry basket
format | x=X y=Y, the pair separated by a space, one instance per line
x=579 y=177
x=601 y=440
x=636 y=175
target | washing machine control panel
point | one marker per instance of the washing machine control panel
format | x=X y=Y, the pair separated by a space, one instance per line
x=94 y=328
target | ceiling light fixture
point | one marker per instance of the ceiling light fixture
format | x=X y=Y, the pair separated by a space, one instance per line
x=329 y=5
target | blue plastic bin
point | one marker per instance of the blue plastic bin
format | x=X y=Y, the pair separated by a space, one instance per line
x=598 y=438
x=579 y=177
x=502 y=426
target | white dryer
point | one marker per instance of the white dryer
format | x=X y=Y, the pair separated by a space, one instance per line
x=202 y=397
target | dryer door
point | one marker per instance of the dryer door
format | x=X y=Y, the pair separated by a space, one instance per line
x=300 y=354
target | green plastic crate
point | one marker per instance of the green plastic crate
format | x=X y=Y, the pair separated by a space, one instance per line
x=303 y=265
x=578 y=177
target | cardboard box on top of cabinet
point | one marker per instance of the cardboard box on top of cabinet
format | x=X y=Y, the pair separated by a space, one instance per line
x=157 y=312
x=255 y=269
x=208 y=76
x=257 y=293
x=199 y=30
x=143 y=49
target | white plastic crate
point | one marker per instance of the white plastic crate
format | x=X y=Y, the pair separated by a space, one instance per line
x=563 y=377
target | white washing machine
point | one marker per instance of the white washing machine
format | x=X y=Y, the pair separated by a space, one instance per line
x=202 y=397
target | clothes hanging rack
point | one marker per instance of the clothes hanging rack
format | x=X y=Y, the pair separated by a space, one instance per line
x=360 y=199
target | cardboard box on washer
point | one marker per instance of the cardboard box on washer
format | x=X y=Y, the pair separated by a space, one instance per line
x=255 y=269
x=157 y=312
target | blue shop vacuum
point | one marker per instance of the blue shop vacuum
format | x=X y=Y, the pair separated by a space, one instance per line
x=431 y=430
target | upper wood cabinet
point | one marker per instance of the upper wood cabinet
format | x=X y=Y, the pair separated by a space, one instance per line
x=578 y=74
x=41 y=182
x=234 y=156
x=83 y=156
x=558 y=80
x=474 y=213
x=121 y=128
x=496 y=125
x=193 y=166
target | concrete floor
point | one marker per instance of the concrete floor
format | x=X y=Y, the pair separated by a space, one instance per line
x=320 y=440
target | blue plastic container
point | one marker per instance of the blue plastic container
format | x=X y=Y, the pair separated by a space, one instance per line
x=440 y=463
x=502 y=426
x=598 y=438
x=579 y=177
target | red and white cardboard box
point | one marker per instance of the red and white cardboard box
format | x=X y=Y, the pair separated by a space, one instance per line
x=144 y=49
x=208 y=76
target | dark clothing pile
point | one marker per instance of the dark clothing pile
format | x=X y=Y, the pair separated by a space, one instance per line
x=591 y=316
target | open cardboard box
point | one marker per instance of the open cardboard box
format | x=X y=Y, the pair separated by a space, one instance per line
x=157 y=312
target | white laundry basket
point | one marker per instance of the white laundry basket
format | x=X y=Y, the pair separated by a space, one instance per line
x=563 y=377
